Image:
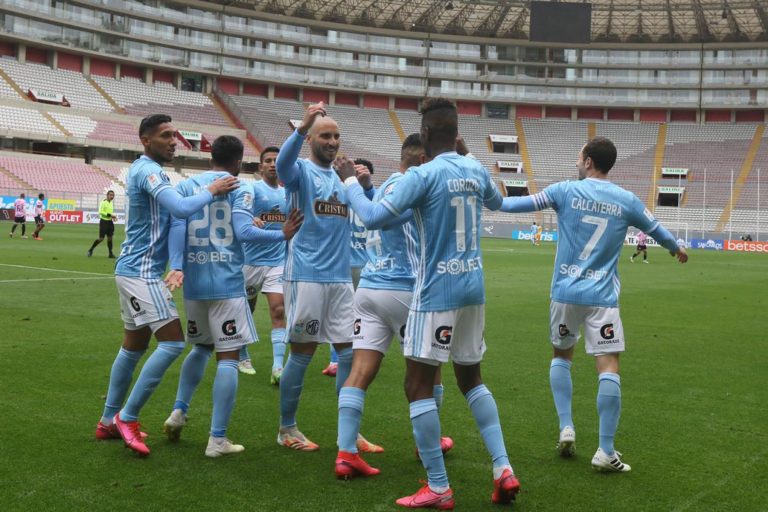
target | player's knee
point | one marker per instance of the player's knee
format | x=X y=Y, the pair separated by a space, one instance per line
x=277 y=313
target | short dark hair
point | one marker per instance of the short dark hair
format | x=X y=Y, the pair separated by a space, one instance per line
x=22 y=195
x=41 y=196
x=411 y=150
x=268 y=149
x=112 y=191
x=602 y=152
x=149 y=123
x=226 y=150
x=441 y=117
x=367 y=163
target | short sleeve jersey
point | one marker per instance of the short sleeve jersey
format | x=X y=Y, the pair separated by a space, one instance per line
x=447 y=197
x=269 y=205
x=213 y=258
x=20 y=208
x=592 y=220
x=392 y=252
x=144 y=253
x=39 y=208
x=319 y=252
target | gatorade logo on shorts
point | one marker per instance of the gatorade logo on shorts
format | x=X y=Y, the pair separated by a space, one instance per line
x=191 y=327
x=229 y=328
x=358 y=324
x=563 y=331
x=135 y=304
x=443 y=334
x=606 y=331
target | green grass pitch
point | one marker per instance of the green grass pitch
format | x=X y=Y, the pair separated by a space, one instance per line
x=694 y=421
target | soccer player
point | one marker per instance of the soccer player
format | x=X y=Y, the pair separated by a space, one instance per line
x=264 y=262
x=447 y=315
x=146 y=305
x=20 y=215
x=208 y=246
x=537 y=237
x=107 y=220
x=358 y=259
x=641 y=247
x=317 y=281
x=381 y=310
x=534 y=230
x=39 y=216
x=593 y=215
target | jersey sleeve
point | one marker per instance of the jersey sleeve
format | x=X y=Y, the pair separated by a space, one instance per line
x=410 y=192
x=492 y=198
x=288 y=168
x=242 y=200
x=152 y=180
x=641 y=217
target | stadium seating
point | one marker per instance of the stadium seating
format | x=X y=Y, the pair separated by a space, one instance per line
x=73 y=86
x=140 y=99
x=26 y=120
x=56 y=174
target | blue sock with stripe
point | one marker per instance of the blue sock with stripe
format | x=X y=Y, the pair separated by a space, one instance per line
x=244 y=355
x=151 y=375
x=426 y=432
x=345 y=367
x=562 y=390
x=192 y=371
x=119 y=381
x=483 y=408
x=608 y=408
x=437 y=392
x=224 y=394
x=291 y=384
x=334 y=355
x=278 y=348
x=351 y=401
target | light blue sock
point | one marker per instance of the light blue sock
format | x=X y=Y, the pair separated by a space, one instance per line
x=437 y=392
x=151 y=374
x=345 y=367
x=483 y=408
x=224 y=393
x=244 y=353
x=562 y=390
x=608 y=408
x=426 y=431
x=291 y=384
x=192 y=371
x=351 y=401
x=278 y=348
x=334 y=355
x=119 y=380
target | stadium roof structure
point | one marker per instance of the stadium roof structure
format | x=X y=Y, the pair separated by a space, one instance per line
x=630 y=21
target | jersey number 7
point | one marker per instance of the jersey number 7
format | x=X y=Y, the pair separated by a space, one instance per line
x=601 y=225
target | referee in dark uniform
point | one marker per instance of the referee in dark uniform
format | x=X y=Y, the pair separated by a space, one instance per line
x=106 y=224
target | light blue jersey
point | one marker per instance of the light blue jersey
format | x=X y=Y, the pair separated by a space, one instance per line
x=592 y=220
x=320 y=251
x=358 y=256
x=269 y=205
x=144 y=253
x=213 y=258
x=447 y=197
x=392 y=252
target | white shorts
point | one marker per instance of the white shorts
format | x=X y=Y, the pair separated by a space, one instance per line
x=319 y=312
x=226 y=324
x=145 y=302
x=263 y=279
x=434 y=336
x=603 y=331
x=379 y=316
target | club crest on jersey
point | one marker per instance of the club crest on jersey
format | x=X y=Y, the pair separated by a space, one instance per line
x=389 y=188
x=247 y=201
x=274 y=215
x=443 y=334
x=563 y=331
x=155 y=180
x=331 y=207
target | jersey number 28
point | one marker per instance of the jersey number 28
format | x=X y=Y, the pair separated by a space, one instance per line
x=217 y=221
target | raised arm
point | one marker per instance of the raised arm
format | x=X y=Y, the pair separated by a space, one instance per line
x=245 y=231
x=183 y=207
x=373 y=215
x=525 y=204
x=287 y=169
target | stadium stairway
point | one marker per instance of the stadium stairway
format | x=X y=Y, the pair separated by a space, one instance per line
x=105 y=95
x=591 y=131
x=396 y=125
x=746 y=169
x=22 y=184
x=108 y=176
x=13 y=84
x=57 y=124
x=658 y=159
x=233 y=120
x=527 y=166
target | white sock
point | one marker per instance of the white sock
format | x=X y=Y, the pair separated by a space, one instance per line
x=440 y=489
x=498 y=470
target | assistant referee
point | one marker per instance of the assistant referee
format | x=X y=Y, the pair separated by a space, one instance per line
x=107 y=220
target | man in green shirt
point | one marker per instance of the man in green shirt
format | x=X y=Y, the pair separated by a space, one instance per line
x=106 y=223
